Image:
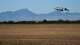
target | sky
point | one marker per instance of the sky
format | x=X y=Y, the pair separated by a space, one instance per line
x=39 y=6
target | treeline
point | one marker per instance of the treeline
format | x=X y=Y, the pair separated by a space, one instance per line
x=42 y=22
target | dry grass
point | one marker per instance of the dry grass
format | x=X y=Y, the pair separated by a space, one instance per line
x=40 y=34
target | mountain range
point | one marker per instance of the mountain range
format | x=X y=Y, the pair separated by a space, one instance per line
x=27 y=15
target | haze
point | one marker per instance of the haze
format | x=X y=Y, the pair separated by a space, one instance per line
x=39 y=6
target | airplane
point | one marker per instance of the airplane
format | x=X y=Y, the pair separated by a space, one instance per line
x=61 y=9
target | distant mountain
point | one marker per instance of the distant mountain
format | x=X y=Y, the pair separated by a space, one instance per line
x=25 y=14
x=19 y=15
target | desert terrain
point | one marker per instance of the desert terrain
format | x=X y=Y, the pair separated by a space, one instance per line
x=39 y=34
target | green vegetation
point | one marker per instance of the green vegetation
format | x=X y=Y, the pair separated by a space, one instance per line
x=41 y=22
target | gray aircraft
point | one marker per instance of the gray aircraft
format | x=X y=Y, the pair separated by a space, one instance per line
x=61 y=9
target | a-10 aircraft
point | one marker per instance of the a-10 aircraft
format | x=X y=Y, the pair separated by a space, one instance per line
x=61 y=9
